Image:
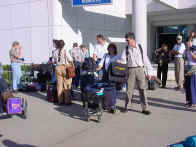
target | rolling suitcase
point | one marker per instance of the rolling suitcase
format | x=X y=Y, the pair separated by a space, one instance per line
x=110 y=97
x=52 y=94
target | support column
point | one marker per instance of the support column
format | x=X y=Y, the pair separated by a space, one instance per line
x=139 y=22
x=56 y=18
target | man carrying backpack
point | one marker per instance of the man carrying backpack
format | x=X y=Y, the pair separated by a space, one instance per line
x=139 y=69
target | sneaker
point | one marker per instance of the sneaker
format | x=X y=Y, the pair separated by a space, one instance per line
x=188 y=105
x=146 y=112
x=113 y=110
x=125 y=110
x=68 y=104
x=177 y=88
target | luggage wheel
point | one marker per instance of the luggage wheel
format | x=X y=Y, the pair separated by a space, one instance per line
x=99 y=118
x=24 y=108
x=86 y=112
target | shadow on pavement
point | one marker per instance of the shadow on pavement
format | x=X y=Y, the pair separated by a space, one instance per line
x=164 y=104
x=9 y=143
x=75 y=111
x=36 y=95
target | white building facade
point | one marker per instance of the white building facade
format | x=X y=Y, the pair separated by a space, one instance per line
x=35 y=23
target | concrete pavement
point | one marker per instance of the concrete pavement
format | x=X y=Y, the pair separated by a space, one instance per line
x=53 y=126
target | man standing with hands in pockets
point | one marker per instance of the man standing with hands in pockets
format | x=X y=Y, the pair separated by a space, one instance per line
x=139 y=69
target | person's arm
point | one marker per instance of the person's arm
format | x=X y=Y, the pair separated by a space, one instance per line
x=149 y=68
x=100 y=66
x=123 y=57
x=182 y=49
x=54 y=57
x=157 y=51
x=193 y=55
x=69 y=57
x=13 y=54
x=95 y=53
x=19 y=52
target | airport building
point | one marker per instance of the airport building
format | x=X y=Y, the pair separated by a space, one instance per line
x=35 y=23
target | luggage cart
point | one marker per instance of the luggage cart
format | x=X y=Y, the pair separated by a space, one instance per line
x=93 y=102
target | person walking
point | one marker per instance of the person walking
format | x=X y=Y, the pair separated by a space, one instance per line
x=178 y=51
x=84 y=53
x=108 y=58
x=75 y=54
x=191 y=57
x=162 y=55
x=137 y=62
x=111 y=56
x=52 y=61
x=62 y=59
x=16 y=60
x=99 y=52
x=100 y=48
x=187 y=77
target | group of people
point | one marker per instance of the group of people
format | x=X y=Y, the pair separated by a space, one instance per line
x=184 y=59
x=139 y=66
x=104 y=53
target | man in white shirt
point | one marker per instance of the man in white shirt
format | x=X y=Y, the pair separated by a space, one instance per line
x=137 y=62
x=179 y=49
x=100 y=49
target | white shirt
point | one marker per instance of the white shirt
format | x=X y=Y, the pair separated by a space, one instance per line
x=135 y=59
x=75 y=53
x=180 y=48
x=65 y=57
x=100 y=50
x=194 y=41
x=107 y=59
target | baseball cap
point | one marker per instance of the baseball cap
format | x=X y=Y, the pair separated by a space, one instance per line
x=179 y=37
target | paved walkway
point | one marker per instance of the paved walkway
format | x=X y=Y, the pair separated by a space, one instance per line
x=53 y=126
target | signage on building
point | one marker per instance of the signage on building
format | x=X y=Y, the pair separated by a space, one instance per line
x=90 y=2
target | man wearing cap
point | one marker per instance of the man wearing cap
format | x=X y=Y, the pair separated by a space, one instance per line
x=179 y=49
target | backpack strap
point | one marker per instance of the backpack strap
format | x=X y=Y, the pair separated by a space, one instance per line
x=127 y=53
x=142 y=53
x=104 y=61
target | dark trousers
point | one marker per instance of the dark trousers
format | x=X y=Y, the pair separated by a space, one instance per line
x=162 y=72
x=76 y=79
x=187 y=86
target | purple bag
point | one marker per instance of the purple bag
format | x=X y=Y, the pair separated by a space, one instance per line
x=14 y=105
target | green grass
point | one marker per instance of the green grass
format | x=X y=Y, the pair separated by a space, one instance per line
x=7 y=74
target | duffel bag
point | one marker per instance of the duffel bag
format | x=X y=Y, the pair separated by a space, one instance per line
x=117 y=72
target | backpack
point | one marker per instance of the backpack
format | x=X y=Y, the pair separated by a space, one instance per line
x=118 y=72
x=89 y=65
